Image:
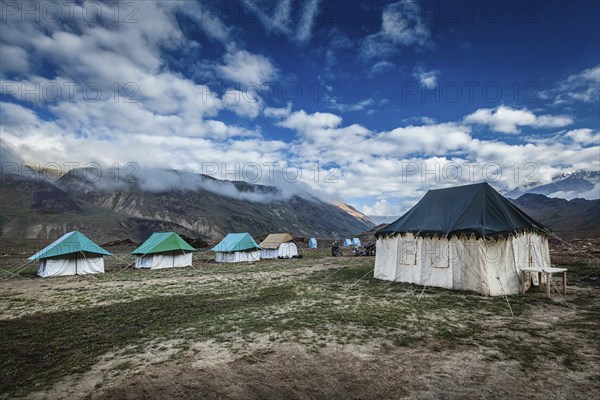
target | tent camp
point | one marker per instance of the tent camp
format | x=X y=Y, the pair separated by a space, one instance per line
x=71 y=254
x=237 y=247
x=356 y=242
x=278 y=245
x=163 y=250
x=347 y=243
x=312 y=243
x=465 y=238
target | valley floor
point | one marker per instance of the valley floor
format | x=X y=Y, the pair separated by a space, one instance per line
x=299 y=329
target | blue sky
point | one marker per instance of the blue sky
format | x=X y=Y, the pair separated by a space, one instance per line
x=383 y=99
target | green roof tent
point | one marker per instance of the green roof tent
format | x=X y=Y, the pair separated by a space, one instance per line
x=464 y=238
x=163 y=250
x=71 y=254
x=237 y=247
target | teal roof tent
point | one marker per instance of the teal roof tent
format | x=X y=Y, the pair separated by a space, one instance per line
x=71 y=254
x=160 y=242
x=236 y=242
x=237 y=247
x=164 y=250
x=69 y=243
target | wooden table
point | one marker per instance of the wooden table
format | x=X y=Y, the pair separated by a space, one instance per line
x=547 y=272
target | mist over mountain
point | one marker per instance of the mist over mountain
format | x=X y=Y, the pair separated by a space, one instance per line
x=119 y=206
x=578 y=184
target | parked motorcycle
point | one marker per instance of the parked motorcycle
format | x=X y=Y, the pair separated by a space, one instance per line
x=335 y=250
x=366 y=250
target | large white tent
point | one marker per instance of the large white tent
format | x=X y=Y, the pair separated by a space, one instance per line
x=464 y=238
x=71 y=254
x=278 y=245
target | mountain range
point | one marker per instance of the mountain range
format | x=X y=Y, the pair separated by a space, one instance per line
x=577 y=184
x=35 y=206
x=566 y=218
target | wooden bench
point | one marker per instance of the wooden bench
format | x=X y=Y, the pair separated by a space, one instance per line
x=547 y=272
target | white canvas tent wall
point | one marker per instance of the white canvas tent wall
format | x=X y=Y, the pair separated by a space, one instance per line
x=278 y=245
x=312 y=243
x=468 y=239
x=171 y=259
x=71 y=254
x=347 y=243
x=356 y=242
x=238 y=256
x=71 y=264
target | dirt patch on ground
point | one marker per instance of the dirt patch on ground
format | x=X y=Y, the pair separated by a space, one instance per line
x=290 y=372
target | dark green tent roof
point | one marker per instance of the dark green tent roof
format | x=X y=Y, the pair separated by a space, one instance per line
x=69 y=243
x=472 y=209
x=163 y=241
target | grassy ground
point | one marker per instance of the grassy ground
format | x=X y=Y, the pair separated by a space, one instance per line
x=58 y=330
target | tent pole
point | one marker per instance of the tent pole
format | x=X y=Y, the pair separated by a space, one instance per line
x=505 y=297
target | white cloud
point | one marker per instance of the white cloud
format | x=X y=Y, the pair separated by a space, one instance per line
x=344 y=107
x=210 y=24
x=307 y=123
x=245 y=103
x=401 y=26
x=584 y=136
x=285 y=17
x=380 y=68
x=13 y=59
x=247 y=68
x=274 y=112
x=508 y=120
x=381 y=207
x=305 y=25
x=427 y=78
x=582 y=87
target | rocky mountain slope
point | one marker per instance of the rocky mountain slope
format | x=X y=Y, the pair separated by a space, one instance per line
x=567 y=218
x=193 y=205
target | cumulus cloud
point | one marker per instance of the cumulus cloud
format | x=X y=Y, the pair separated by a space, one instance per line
x=584 y=136
x=401 y=26
x=508 y=120
x=305 y=123
x=247 y=68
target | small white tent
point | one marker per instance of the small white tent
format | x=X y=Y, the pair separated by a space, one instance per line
x=278 y=245
x=464 y=238
x=356 y=242
x=237 y=247
x=347 y=243
x=71 y=254
x=163 y=250
x=312 y=243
